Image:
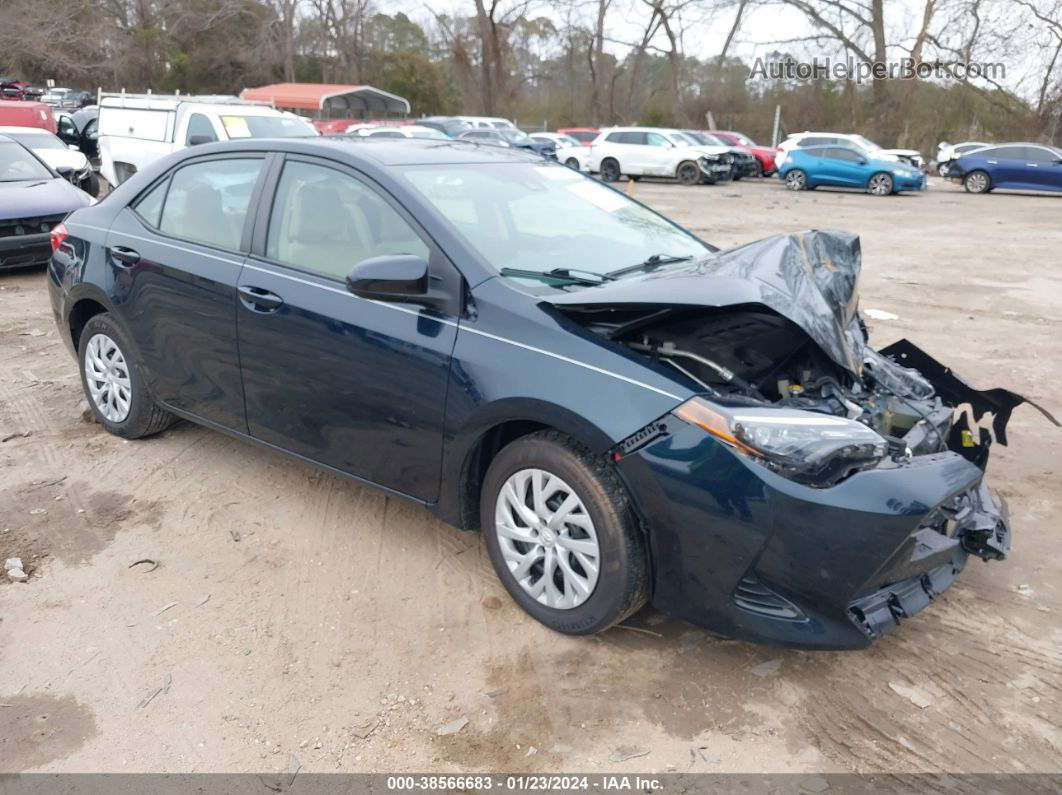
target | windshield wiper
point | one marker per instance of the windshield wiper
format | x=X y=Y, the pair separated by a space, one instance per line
x=564 y=275
x=649 y=263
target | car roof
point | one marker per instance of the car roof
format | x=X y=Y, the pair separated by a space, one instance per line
x=375 y=151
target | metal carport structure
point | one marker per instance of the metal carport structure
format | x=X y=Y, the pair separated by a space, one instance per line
x=329 y=99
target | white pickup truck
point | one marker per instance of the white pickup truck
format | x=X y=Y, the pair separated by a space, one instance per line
x=136 y=129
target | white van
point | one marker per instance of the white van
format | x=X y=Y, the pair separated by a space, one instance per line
x=137 y=129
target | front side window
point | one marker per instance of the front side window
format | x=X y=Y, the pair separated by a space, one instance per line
x=326 y=222
x=1037 y=154
x=207 y=202
x=841 y=153
x=199 y=125
x=656 y=139
x=539 y=217
x=65 y=126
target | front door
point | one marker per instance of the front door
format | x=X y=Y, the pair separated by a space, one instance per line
x=176 y=258
x=355 y=384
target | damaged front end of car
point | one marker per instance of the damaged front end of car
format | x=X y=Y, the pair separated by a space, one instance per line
x=815 y=491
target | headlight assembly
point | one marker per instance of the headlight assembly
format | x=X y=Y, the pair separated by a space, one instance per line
x=805 y=446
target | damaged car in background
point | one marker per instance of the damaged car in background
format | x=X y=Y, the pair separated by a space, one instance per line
x=627 y=413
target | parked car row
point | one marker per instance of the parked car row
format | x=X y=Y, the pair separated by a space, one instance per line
x=13 y=89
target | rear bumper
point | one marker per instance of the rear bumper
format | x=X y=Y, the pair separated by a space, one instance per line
x=744 y=552
x=23 y=251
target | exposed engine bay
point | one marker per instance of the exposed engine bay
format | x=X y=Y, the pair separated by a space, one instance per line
x=775 y=325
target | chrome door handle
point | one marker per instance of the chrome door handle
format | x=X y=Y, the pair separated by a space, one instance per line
x=258 y=300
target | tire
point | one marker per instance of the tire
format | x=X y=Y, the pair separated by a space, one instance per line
x=943 y=168
x=880 y=184
x=606 y=523
x=796 y=179
x=572 y=163
x=138 y=416
x=634 y=177
x=977 y=182
x=688 y=173
x=757 y=169
x=610 y=170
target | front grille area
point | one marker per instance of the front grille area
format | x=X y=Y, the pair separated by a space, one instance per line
x=751 y=594
x=16 y=227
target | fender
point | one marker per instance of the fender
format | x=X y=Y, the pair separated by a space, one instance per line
x=461 y=444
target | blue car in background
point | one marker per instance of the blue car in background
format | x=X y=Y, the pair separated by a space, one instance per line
x=1019 y=166
x=34 y=200
x=848 y=167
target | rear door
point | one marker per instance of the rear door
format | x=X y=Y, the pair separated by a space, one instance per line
x=176 y=254
x=354 y=384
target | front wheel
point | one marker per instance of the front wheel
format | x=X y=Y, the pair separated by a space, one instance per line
x=572 y=163
x=113 y=384
x=977 y=182
x=880 y=184
x=688 y=173
x=561 y=534
x=610 y=170
x=796 y=180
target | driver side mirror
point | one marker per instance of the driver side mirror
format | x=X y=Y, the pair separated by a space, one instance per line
x=66 y=172
x=195 y=140
x=393 y=277
x=862 y=161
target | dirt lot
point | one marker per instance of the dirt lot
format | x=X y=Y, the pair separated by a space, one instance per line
x=296 y=615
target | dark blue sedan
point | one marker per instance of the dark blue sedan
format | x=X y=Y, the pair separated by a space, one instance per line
x=33 y=201
x=626 y=412
x=1017 y=166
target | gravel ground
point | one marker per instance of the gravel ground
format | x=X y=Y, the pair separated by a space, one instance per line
x=294 y=616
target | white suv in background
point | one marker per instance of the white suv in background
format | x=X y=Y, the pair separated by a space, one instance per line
x=805 y=139
x=651 y=152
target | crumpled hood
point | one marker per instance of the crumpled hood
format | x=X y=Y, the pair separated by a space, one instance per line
x=34 y=198
x=810 y=277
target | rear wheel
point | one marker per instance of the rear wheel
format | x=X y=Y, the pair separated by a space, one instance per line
x=796 y=180
x=880 y=184
x=977 y=182
x=561 y=534
x=572 y=163
x=113 y=385
x=610 y=170
x=688 y=173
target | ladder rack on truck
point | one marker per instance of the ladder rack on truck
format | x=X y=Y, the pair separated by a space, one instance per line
x=118 y=99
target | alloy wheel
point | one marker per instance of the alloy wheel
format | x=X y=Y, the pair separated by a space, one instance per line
x=107 y=376
x=547 y=538
x=977 y=182
x=881 y=184
x=610 y=171
x=796 y=180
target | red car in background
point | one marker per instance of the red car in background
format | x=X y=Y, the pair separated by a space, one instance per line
x=584 y=135
x=334 y=126
x=764 y=154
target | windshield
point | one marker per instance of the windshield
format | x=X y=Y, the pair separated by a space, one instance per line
x=713 y=140
x=266 y=126
x=866 y=143
x=539 y=217
x=516 y=137
x=16 y=164
x=744 y=140
x=681 y=138
x=36 y=140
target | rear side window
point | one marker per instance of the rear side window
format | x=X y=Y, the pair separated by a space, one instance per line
x=1007 y=152
x=200 y=125
x=149 y=206
x=207 y=202
x=326 y=222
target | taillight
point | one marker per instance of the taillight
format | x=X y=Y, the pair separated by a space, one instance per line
x=58 y=235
